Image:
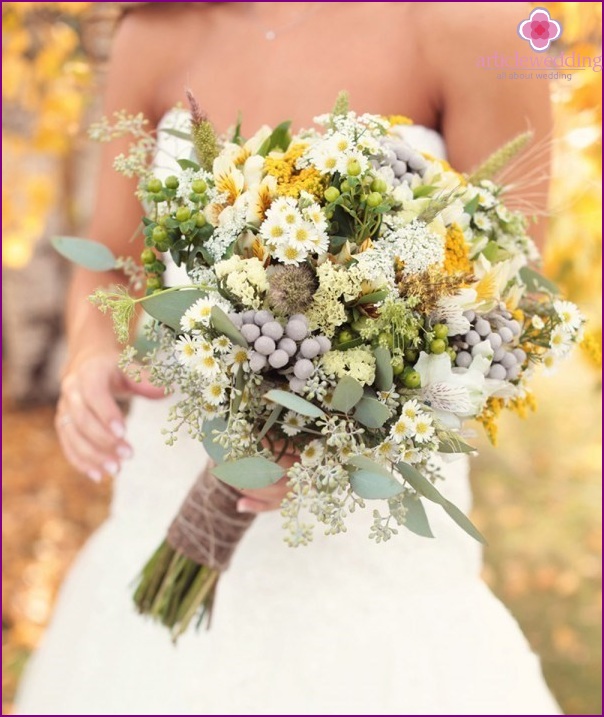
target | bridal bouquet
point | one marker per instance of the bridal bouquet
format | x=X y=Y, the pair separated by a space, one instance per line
x=352 y=301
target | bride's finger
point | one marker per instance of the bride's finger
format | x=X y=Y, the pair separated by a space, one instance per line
x=98 y=398
x=99 y=434
x=84 y=453
x=252 y=505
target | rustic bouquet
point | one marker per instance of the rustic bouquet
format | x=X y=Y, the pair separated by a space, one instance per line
x=351 y=301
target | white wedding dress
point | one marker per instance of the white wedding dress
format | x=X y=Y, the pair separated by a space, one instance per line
x=343 y=626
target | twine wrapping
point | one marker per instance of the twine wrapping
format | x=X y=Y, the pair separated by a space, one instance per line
x=208 y=527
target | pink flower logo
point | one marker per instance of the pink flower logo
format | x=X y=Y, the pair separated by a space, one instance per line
x=540 y=30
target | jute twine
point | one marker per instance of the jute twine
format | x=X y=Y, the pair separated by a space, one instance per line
x=208 y=527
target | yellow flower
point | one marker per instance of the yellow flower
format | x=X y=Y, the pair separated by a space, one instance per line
x=456 y=251
x=398 y=119
x=291 y=181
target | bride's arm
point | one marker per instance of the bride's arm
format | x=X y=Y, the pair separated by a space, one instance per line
x=482 y=105
x=89 y=421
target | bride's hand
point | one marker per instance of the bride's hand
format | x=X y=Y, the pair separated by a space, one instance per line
x=261 y=500
x=89 y=421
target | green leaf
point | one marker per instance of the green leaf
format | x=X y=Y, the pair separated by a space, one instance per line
x=294 y=403
x=384 y=376
x=371 y=413
x=416 y=519
x=366 y=464
x=213 y=449
x=270 y=422
x=472 y=206
x=222 y=323
x=451 y=443
x=253 y=472
x=87 y=253
x=279 y=139
x=169 y=307
x=177 y=133
x=423 y=486
x=536 y=283
x=188 y=164
x=423 y=191
x=373 y=486
x=373 y=298
x=347 y=394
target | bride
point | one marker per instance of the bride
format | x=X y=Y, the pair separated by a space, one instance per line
x=342 y=626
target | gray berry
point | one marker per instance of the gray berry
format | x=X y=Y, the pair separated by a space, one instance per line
x=273 y=329
x=508 y=360
x=278 y=359
x=324 y=343
x=257 y=362
x=390 y=156
x=296 y=329
x=506 y=334
x=288 y=345
x=248 y=316
x=303 y=369
x=310 y=348
x=402 y=151
x=297 y=384
x=399 y=168
x=494 y=340
x=497 y=371
x=463 y=359
x=482 y=327
x=417 y=162
x=499 y=353
x=407 y=177
x=299 y=317
x=264 y=345
x=236 y=319
x=262 y=317
x=470 y=315
x=250 y=332
x=520 y=355
x=472 y=338
x=513 y=373
x=514 y=327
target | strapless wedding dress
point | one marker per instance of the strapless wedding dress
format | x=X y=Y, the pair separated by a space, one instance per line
x=343 y=626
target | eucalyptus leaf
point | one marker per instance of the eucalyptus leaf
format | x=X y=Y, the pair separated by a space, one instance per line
x=168 y=307
x=535 y=282
x=371 y=413
x=373 y=298
x=347 y=394
x=188 y=164
x=278 y=139
x=270 y=422
x=384 y=376
x=450 y=443
x=424 y=190
x=416 y=519
x=252 y=472
x=374 y=486
x=87 y=253
x=363 y=463
x=222 y=323
x=294 y=403
x=213 y=449
x=423 y=486
x=176 y=133
x=471 y=207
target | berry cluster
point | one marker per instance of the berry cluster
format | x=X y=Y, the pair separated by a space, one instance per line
x=403 y=159
x=279 y=347
x=501 y=331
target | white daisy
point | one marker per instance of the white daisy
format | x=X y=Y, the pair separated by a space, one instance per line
x=482 y=222
x=313 y=453
x=273 y=230
x=411 y=409
x=238 y=357
x=293 y=423
x=326 y=160
x=423 y=428
x=402 y=429
x=537 y=322
x=560 y=343
x=569 y=315
x=354 y=156
x=208 y=366
x=222 y=344
x=214 y=393
x=290 y=253
x=186 y=348
x=200 y=311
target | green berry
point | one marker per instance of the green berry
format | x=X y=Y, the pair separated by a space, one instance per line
x=345 y=186
x=452 y=353
x=378 y=185
x=353 y=168
x=411 y=355
x=331 y=194
x=158 y=198
x=441 y=331
x=195 y=198
x=182 y=214
x=398 y=366
x=154 y=185
x=172 y=182
x=385 y=340
x=200 y=219
x=154 y=283
x=374 y=199
x=437 y=346
x=412 y=380
x=148 y=256
x=159 y=235
x=199 y=186
x=345 y=336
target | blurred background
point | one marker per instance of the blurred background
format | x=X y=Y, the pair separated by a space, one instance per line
x=538 y=495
